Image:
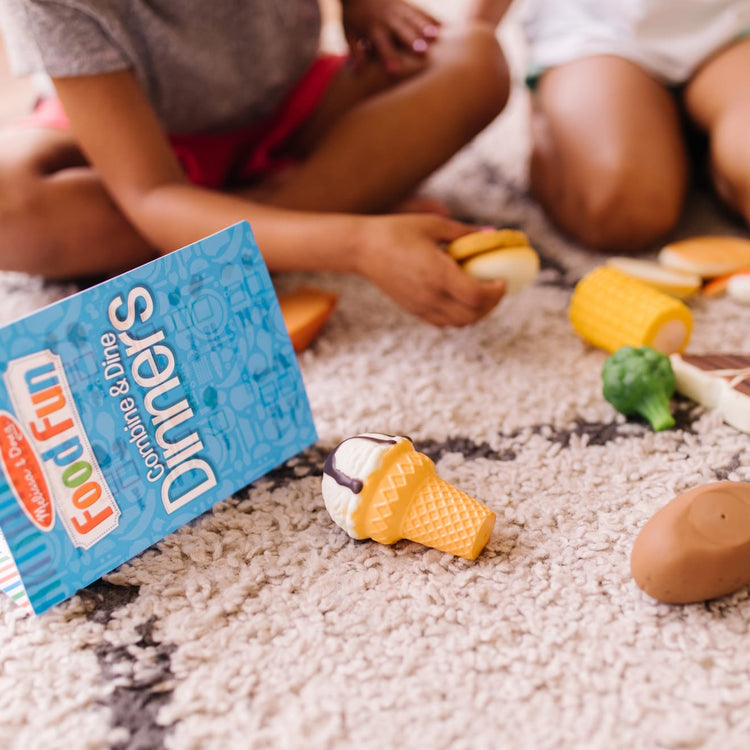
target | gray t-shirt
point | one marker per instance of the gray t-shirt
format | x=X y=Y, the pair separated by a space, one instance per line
x=206 y=65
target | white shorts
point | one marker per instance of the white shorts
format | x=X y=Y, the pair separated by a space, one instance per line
x=670 y=39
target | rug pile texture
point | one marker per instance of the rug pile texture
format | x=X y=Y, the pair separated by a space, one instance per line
x=263 y=625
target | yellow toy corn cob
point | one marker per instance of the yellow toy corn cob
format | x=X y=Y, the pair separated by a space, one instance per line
x=610 y=309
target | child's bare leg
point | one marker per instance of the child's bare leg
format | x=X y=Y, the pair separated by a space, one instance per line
x=373 y=139
x=608 y=163
x=46 y=189
x=718 y=99
x=377 y=151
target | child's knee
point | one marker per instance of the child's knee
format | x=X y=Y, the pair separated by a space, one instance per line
x=622 y=216
x=21 y=172
x=16 y=201
x=488 y=64
x=614 y=212
x=479 y=67
x=21 y=216
x=613 y=202
x=730 y=157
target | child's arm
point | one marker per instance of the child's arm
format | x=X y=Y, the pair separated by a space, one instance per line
x=121 y=136
x=394 y=31
x=490 y=11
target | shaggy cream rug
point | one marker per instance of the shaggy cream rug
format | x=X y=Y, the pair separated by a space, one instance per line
x=262 y=625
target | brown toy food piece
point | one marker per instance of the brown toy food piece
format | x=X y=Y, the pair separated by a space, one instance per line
x=306 y=310
x=697 y=547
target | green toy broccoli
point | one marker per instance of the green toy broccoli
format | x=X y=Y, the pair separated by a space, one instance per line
x=640 y=381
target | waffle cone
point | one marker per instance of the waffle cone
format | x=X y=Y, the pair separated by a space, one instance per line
x=407 y=500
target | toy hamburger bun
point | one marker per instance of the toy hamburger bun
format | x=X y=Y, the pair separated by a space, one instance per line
x=518 y=266
x=708 y=256
x=486 y=239
x=497 y=254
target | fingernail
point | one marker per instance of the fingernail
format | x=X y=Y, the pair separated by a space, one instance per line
x=430 y=30
x=419 y=45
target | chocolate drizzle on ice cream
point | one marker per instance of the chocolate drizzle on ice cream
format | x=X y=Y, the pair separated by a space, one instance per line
x=353 y=483
x=347 y=470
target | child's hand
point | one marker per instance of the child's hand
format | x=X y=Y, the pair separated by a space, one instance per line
x=403 y=255
x=392 y=31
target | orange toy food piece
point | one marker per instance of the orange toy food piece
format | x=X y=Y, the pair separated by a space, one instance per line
x=718 y=285
x=708 y=256
x=306 y=310
x=696 y=547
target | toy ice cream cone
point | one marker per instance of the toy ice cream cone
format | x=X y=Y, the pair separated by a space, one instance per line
x=379 y=487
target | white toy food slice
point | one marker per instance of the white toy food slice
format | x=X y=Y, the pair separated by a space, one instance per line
x=738 y=288
x=680 y=284
x=716 y=381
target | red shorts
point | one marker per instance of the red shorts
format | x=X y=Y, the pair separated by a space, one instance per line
x=235 y=157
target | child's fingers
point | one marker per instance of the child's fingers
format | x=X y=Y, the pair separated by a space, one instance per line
x=413 y=33
x=464 y=298
x=409 y=37
x=444 y=229
x=426 y=22
x=360 y=50
x=416 y=29
x=385 y=48
x=474 y=295
x=449 y=311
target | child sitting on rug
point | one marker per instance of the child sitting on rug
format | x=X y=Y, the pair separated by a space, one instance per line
x=176 y=118
x=617 y=86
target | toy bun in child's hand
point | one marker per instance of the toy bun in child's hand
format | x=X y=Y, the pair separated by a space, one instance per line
x=379 y=487
x=491 y=254
x=697 y=547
